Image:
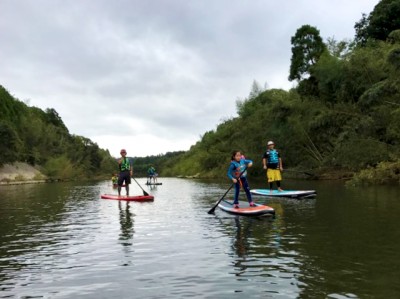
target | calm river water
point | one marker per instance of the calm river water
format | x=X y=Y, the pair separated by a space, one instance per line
x=62 y=241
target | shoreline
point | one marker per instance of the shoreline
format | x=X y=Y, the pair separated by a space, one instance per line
x=24 y=182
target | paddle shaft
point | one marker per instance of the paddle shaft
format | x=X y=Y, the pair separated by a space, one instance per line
x=144 y=192
x=216 y=205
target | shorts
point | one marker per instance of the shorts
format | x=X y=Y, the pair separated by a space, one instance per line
x=273 y=175
x=124 y=176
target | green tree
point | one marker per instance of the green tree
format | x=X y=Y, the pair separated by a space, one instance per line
x=384 y=18
x=307 y=47
x=9 y=143
x=361 y=28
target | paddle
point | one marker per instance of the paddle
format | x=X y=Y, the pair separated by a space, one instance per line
x=216 y=205
x=144 y=192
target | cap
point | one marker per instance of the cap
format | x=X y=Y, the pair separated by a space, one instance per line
x=123 y=151
x=270 y=143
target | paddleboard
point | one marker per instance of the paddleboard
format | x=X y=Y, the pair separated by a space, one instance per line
x=128 y=198
x=153 y=183
x=245 y=209
x=284 y=193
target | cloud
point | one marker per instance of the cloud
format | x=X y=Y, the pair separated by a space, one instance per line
x=156 y=73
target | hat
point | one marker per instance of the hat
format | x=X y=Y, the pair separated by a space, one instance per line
x=122 y=151
x=270 y=143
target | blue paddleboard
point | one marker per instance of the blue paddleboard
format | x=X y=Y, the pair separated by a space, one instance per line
x=285 y=193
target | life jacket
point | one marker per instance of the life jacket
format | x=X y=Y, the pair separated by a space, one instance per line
x=273 y=156
x=125 y=165
x=239 y=167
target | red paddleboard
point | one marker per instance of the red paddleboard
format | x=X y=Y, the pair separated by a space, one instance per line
x=128 y=198
x=245 y=209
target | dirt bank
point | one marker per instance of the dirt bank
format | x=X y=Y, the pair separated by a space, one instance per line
x=19 y=172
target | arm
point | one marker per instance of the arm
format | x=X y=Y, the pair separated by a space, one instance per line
x=230 y=169
x=264 y=161
x=248 y=163
x=280 y=162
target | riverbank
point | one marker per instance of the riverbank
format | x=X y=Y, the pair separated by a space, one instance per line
x=20 y=173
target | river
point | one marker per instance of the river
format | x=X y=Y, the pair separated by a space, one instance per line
x=61 y=240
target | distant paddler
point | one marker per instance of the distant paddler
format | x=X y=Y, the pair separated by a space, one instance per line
x=272 y=162
x=125 y=172
x=114 y=179
x=151 y=174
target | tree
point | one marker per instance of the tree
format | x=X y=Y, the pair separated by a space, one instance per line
x=339 y=49
x=9 y=143
x=307 y=47
x=361 y=30
x=384 y=18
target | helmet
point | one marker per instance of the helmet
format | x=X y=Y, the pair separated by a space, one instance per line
x=270 y=143
x=123 y=151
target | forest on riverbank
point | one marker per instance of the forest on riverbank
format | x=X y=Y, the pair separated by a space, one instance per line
x=343 y=118
x=41 y=139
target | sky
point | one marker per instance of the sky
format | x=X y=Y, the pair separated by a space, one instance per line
x=153 y=76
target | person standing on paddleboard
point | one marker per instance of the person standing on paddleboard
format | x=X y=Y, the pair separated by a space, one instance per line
x=125 y=172
x=236 y=168
x=272 y=162
x=151 y=173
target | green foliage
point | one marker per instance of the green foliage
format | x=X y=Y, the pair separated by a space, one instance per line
x=345 y=115
x=384 y=19
x=61 y=168
x=160 y=162
x=29 y=134
x=394 y=37
x=380 y=23
x=383 y=173
x=9 y=143
x=329 y=74
x=307 y=47
x=361 y=28
x=394 y=60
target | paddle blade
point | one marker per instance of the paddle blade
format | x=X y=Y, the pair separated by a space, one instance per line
x=212 y=210
x=145 y=193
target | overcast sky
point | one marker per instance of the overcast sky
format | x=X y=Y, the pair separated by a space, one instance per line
x=152 y=76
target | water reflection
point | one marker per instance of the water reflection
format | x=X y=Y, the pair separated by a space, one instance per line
x=126 y=221
x=63 y=241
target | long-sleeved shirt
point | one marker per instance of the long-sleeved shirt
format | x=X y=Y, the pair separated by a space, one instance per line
x=236 y=168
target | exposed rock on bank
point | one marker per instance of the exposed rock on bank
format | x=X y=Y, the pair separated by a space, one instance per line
x=20 y=173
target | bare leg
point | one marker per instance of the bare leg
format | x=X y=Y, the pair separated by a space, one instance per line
x=127 y=189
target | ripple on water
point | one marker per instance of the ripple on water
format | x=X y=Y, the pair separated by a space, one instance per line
x=63 y=241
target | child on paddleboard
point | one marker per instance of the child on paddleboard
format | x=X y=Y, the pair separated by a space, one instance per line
x=237 y=173
x=114 y=179
x=272 y=162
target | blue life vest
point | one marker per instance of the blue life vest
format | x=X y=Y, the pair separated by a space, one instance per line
x=273 y=156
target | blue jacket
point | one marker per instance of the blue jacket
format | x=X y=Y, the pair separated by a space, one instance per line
x=235 y=168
